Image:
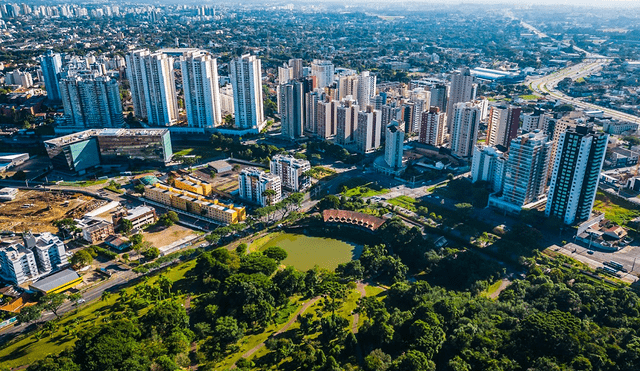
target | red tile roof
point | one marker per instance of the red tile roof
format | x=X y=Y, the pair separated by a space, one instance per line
x=367 y=221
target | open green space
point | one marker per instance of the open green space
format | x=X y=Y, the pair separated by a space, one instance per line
x=320 y=172
x=305 y=252
x=365 y=191
x=405 y=202
x=491 y=289
x=529 y=97
x=205 y=152
x=84 y=183
x=38 y=345
x=620 y=211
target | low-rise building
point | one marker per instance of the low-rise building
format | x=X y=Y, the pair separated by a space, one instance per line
x=8 y=194
x=618 y=127
x=95 y=231
x=138 y=216
x=192 y=184
x=58 y=282
x=195 y=204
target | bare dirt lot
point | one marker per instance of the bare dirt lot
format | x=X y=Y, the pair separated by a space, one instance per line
x=38 y=210
x=168 y=236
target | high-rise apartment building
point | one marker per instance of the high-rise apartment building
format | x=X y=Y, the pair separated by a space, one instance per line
x=17 y=264
x=291 y=172
x=152 y=85
x=369 y=130
x=348 y=87
x=296 y=68
x=326 y=114
x=503 y=125
x=51 y=65
x=460 y=91
x=394 y=143
x=439 y=97
x=488 y=165
x=201 y=89
x=464 y=128
x=531 y=122
x=311 y=100
x=246 y=79
x=91 y=101
x=21 y=78
x=525 y=172
x=284 y=74
x=253 y=184
x=291 y=109
x=36 y=256
x=346 y=121
x=433 y=127
x=323 y=71
x=366 y=88
x=576 y=172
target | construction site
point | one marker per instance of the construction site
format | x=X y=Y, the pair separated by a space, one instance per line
x=37 y=211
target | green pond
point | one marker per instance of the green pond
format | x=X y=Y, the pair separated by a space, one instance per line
x=304 y=252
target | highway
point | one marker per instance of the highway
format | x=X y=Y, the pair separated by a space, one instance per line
x=546 y=85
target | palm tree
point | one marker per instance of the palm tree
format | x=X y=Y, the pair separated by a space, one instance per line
x=105 y=296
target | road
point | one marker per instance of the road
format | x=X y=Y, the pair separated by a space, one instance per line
x=627 y=257
x=117 y=280
x=546 y=85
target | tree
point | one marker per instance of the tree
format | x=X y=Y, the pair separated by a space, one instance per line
x=151 y=253
x=81 y=258
x=276 y=253
x=29 y=314
x=464 y=209
x=269 y=194
x=105 y=296
x=169 y=218
x=126 y=226
x=228 y=331
x=139 y=188
x=165 y=317
x=258 y=263
x=52 y=302
x=114 y=347
x=136 y=239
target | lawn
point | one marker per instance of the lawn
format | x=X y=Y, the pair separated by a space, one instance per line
x=205 y=152
x=529 y=97
x=405 y=202
x=320 y=172
x=84 y=183
x=615 y=211
x=30 y=349
x=374 y=291
x=365 y=191
x=491 y=289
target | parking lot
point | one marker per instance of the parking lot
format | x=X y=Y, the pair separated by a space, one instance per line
x=627 y=257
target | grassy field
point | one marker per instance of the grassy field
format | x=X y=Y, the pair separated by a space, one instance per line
x=529 y=97
x=405 y=202
x=31 y=348
x=205 y=152
x=365 y=191
x=613 y=211
x=491 y=289
x=84 y=183
x=320 y=172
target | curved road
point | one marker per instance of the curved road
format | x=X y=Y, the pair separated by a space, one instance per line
x=592 y=64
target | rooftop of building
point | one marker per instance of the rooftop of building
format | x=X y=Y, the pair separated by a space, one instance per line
x=138 y=211
x=88 y=134
x=55 y=280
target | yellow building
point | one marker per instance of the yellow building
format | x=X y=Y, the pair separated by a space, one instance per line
x=195 y=203
x=194 y=185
